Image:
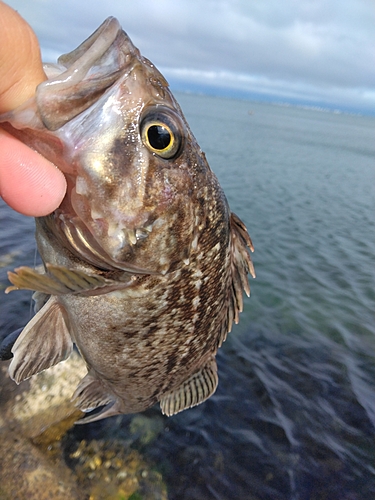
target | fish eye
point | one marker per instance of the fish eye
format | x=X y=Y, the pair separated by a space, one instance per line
x=161 y=132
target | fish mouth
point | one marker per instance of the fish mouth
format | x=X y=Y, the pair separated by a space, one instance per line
x=84 y=245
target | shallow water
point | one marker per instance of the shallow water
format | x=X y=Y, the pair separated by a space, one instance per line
x=294 y=414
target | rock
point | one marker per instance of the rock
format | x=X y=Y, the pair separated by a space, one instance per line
x=41 y=406
x=34 y=415
x=111 y=471
x=27 y=473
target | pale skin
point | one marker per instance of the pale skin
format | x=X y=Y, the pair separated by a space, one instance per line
x=29 y=183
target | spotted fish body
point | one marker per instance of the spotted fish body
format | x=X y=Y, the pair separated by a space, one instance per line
x=144 y=264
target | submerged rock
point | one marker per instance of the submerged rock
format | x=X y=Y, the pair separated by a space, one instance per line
x=28 y=473
x=110 y=471
x=41 y=407
x=34 y=416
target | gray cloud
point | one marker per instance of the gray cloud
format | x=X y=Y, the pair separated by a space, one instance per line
x=304 y=49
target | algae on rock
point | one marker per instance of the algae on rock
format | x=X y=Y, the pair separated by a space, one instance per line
x=34 y=417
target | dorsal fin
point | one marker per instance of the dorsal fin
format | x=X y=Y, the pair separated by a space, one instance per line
x=241 y=261
x=241 y=267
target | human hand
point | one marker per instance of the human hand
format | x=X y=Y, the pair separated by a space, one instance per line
x=29 y=183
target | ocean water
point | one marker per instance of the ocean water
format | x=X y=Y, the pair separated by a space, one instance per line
x=294 y=414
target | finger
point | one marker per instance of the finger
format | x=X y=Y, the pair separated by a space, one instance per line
x=29 y=183
x=21 y=67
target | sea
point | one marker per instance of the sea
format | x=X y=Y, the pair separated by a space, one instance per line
x=293 y=417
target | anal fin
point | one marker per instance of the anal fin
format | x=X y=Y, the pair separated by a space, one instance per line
x=196 y=389
x=44 y=342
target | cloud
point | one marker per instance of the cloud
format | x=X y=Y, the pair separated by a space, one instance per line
x=272 y=89
x=303 y=48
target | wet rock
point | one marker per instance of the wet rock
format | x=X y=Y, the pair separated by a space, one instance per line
x=41 y=406
x=34 y=465
x=34 y=415
x=27 y=473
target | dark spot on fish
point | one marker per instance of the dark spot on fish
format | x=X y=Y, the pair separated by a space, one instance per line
x=172 y=361
x=184 y=360
x=152 y=329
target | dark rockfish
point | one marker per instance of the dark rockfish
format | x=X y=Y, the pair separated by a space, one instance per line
x=144 y=264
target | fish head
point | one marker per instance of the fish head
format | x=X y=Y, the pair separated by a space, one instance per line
x=132 y=165
x=132 y=186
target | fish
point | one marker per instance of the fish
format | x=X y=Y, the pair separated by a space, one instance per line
x=144 y=264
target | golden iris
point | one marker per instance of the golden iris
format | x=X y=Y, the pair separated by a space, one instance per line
x=161 y=132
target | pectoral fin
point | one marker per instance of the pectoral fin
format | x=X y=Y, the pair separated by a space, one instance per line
x=196 y=389
x=44 y=342
x=59 y=280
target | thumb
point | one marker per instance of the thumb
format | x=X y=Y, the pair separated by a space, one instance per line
x=28 y=182
x=21 y=67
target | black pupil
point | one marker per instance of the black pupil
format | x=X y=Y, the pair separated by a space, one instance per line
x=159 y=137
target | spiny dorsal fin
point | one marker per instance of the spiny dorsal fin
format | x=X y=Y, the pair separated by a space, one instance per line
x=59 y=280
x=241 y=266
x=196 y=389
x=44 y=342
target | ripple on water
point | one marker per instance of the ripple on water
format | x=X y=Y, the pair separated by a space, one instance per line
x=294 y=413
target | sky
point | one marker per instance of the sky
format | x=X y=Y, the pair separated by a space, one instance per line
x=311 y=52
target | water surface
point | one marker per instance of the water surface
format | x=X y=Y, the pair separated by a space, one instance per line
x=294 y=414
